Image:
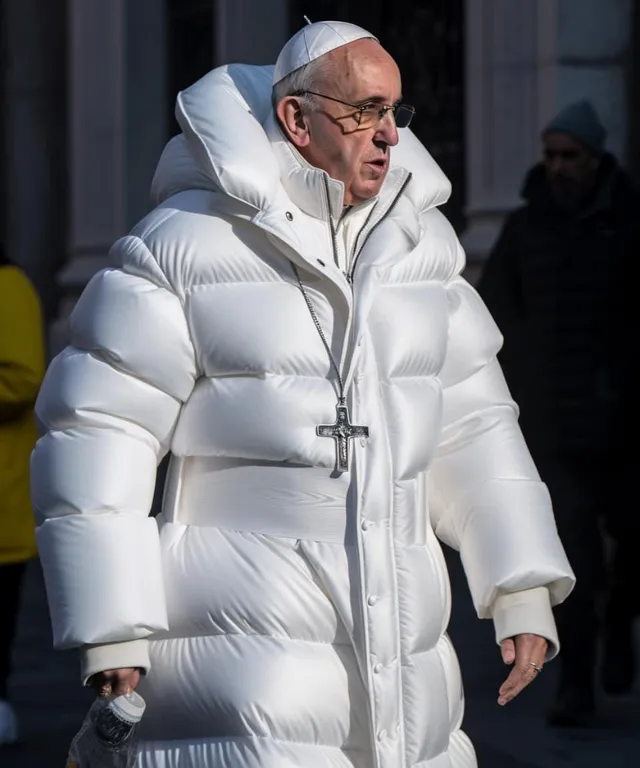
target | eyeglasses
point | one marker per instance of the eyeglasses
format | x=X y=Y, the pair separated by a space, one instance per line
x=371 y=113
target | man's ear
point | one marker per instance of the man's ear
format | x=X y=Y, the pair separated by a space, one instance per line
x=293 y=121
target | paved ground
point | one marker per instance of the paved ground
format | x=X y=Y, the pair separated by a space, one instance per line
x=51 y=703
x=47 y=697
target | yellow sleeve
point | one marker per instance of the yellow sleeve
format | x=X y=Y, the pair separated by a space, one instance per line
x=22 y=356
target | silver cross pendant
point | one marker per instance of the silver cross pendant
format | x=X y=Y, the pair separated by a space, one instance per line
x=342 y=431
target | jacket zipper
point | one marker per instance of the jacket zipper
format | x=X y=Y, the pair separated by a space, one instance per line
x=334 y=234
x=350 y=273
x=357 y=251
x=355 y=247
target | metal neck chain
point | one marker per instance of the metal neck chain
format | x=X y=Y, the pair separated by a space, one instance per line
x=321 y=333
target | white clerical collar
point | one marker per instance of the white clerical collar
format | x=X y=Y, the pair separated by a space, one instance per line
x=306 y=185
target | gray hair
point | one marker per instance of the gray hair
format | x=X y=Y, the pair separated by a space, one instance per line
x=297 y=82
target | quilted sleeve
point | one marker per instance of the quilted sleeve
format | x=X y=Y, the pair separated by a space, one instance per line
x=486 y=497
x=107 y=410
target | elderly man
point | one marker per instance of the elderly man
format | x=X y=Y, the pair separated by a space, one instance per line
x=291 y=324
x=553 y=284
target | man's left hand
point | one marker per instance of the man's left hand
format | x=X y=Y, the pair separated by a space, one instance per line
x=527 y=654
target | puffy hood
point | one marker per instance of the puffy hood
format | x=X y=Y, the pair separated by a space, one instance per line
x=225 y=147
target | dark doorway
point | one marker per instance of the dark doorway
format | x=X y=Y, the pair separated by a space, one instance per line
x=191 y=33
x=426 y=39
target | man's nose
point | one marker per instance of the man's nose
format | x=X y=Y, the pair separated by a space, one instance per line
x=387 y=130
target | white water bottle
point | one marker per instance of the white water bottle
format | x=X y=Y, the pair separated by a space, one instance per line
x=108 y=735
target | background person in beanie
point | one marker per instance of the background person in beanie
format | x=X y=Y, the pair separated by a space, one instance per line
x=554 y=286
x=21 y=371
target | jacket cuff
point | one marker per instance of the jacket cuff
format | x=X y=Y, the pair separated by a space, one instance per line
x=106 y=656
x=528 y=611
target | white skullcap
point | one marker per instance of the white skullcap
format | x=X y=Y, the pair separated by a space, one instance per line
x=312 y=42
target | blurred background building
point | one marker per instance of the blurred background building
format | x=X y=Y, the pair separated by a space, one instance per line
x=88 y=88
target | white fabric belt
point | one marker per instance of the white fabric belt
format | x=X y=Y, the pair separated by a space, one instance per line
x=274 y=499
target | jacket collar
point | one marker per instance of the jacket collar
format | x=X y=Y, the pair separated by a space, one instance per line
x=308 y=187
x=223 y=118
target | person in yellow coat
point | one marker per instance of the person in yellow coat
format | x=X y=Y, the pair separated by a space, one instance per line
x=22 y=363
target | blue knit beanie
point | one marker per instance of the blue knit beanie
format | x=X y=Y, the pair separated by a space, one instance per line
x=581 y=121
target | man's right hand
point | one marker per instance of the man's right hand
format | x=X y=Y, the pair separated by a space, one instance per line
x=115 y=681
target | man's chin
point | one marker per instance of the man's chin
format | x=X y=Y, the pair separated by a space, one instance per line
x=366 y=191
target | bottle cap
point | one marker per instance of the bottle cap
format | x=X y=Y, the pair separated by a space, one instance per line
x=129 y=707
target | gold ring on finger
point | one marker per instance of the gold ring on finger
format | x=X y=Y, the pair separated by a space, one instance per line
x=537 y=667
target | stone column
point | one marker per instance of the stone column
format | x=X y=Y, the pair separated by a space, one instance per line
x=117 y=130
x=250 y=31
x=525 y=61
x=594 y=42
x=146 y=115
x=97 y=145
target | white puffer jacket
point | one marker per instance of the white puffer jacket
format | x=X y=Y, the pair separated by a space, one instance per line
x=289 y=616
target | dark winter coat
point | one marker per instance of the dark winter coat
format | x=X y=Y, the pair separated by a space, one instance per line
x=555 y=284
